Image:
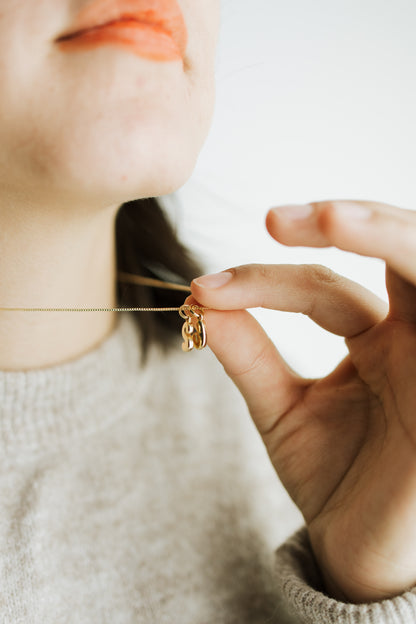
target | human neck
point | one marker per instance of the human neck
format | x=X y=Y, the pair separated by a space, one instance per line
x=55 y=258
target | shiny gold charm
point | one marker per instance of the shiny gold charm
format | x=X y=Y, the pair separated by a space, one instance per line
x=194 y=332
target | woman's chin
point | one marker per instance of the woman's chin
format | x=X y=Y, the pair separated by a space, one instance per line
x=116 y=188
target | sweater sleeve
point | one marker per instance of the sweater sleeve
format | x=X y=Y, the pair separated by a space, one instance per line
x=301 y=585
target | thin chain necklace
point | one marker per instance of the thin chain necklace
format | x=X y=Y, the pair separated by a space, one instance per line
x=193 y=331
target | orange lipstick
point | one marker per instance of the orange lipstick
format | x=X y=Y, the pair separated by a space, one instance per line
x=153 y=29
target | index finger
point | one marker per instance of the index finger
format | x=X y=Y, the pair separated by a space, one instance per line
x=270 y=388
x=332 y=301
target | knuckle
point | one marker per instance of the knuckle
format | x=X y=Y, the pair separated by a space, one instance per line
x=317 y=278
x=320 y=274
x=257 y=362
x=262 y=272
x=255 y=272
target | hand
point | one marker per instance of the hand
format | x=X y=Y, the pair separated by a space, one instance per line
x=343 y=446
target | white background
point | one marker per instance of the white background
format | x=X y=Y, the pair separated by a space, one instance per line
x=315 y=100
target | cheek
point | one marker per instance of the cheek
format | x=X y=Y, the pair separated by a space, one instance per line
x=206 y=104
x=202 y=50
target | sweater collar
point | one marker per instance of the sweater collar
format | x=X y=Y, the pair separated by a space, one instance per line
x=43 y=409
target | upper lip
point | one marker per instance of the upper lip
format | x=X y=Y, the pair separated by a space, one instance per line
x=163 y=14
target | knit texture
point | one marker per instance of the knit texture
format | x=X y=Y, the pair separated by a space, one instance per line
x=144 y=494
x=301 y=583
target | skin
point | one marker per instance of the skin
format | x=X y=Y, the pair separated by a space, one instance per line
x=81 y=133
x=343 y=446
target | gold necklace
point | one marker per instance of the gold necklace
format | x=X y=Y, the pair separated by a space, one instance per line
x=194 y=331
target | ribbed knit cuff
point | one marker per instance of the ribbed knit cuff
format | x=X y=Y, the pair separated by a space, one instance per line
x=300 y=583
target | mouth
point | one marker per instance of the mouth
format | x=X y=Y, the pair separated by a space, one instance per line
x=154 y=29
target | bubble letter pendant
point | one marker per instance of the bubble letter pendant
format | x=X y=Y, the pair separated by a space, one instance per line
x=194 y=332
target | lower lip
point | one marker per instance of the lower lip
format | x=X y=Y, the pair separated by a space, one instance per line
x=144 y=40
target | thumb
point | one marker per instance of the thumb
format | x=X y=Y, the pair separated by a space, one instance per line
x=249 y=357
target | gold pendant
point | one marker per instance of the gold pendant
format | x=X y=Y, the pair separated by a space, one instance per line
x=194 y=332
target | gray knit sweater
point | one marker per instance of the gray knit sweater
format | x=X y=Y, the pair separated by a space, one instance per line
x=133 y=494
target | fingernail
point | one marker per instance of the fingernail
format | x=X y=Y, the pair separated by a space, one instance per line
x=294 y=211
x=352 y=210
x=213 y=281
